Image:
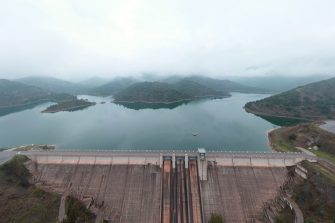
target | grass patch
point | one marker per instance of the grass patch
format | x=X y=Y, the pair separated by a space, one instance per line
x=285 y=147
x=324 y=154
x=317 y=169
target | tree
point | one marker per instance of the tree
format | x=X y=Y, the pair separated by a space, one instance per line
x=216 y=218
x=292 y=137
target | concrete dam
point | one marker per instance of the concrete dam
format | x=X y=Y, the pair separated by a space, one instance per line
x=178 y=187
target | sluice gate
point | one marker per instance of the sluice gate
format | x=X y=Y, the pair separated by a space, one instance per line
x=181 y=199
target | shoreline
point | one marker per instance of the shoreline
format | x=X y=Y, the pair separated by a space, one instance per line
x=172 y=102
x=148 y=102
x=281 y=116
x=269 y=142
x=27 y=104
x=68 y=109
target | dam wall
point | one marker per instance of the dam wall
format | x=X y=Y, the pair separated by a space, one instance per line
x=94 y=159
x=255 y=159
x=136 y=191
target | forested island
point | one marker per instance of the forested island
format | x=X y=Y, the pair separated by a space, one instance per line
x=72 y=105
x=158 y=92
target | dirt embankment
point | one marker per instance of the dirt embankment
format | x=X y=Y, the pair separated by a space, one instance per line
x=22 y=201
x=315 y=195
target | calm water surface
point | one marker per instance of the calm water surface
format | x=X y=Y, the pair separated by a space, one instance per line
x=221 y=124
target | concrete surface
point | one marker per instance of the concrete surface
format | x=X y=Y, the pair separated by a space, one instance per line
x=119 y=193
x=238 y=193
x=131 y=187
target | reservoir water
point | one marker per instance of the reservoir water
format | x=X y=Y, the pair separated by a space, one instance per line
x=220 y=124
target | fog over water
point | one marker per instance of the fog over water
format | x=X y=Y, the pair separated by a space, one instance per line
x=76 y=39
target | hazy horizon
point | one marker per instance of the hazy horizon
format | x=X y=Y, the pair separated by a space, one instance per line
x=75 y=40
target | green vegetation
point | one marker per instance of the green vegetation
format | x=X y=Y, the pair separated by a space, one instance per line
x=157 y=92
x=216 y=218
x=312 y=101
x=226 y=85
x=305 y=136
x=112 y=87
x=150 y=92
x=72 y=105
x=17 y=95
x=281 y=121
x=139 y=105
x=316 y=195
x=21 y=201
x=77 y=212
x=324 y=154
x=197 y=86
x=15 y=172
x=285 y=216
x=53 y=85
x=197 y=90
x=34 y=147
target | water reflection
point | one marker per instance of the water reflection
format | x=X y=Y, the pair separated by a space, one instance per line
x=6 y=111
x=280 y=121
x=139 y=106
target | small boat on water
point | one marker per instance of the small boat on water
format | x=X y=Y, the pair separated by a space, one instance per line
x=195 y=133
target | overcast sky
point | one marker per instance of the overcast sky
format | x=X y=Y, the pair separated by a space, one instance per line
x=81 y=38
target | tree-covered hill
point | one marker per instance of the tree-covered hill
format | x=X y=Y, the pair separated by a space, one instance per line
x=14 y=94
x=197 y=90
x=112 y=87
x=150 y=92
x=54 y=85
x=226 y=85
x=159 y=92
x=311 y=101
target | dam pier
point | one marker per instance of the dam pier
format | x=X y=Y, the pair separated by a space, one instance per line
x=161 y=186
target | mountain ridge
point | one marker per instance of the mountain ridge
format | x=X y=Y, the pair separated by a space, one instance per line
x=312 y=101
x=15 y=94
x=160 y=92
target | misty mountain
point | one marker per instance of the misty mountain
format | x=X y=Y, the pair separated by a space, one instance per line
x=311 y=101
x=94 y=82
x=227 y=85
x=279 y=83
x=159 y=92
x=219 y=84
x=195 y=89
x=112 y=87
x=150 y=92
x=15 y=94
x=53 y=84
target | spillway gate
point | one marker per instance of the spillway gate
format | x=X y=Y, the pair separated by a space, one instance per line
x=181 y=199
